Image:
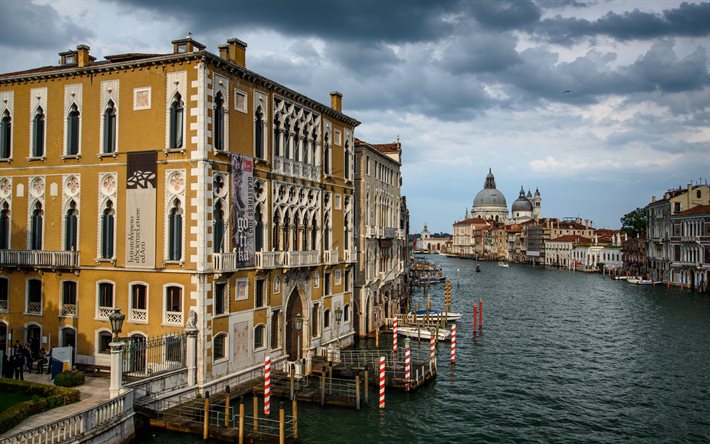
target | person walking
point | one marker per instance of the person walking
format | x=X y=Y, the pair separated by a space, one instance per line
x=19 y=361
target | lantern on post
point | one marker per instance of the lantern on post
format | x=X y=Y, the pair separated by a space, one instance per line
x=116 y=318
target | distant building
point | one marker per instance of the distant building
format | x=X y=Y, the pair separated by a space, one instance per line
x=490 y=203
x=558 y=251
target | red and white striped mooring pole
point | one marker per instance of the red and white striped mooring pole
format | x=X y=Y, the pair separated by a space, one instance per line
x=394 y=336
x=453 y=343
x=382 y=382
x=267 y=385
x=407 y=362
x=480 y=314
x=475 y=318
x=432 y=347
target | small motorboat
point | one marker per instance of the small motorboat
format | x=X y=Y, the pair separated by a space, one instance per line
x=435 y=315
x=621 y=278
x=478 y=269
x=424 y=333
x=503 y=264
x=633 y=280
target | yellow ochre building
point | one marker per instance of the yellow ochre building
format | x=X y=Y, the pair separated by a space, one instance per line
x=180 y=188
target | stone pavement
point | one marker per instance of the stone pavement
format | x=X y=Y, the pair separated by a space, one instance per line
x=94 y=391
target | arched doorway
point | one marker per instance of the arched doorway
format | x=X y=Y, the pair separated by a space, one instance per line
x=293 y=308
x=33 y=332
x=691 y=281
x=67 y=338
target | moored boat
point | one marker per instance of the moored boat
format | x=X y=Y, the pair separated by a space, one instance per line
x=424 y=333
x=434 y=315
x=503 y=264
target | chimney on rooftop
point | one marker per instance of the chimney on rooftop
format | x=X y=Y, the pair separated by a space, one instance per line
x=653 y=198
x=234 y=51
x=586 y=224
x=82 y=56
x=336 y=101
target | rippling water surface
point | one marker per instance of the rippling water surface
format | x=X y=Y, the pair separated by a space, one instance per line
x=564 y=357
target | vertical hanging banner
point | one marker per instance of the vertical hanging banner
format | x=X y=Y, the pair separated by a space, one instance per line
x=243 y=209
x=141 y=182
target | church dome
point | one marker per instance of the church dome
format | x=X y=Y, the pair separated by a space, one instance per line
x=522 y=203
x=489 y=196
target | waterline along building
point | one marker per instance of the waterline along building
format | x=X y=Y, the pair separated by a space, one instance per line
x=178 y=187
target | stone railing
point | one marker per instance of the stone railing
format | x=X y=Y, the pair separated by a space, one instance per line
x=173 y=317
x=350 y=256
x=301 y=258
x=4 y=305
x=75 y=428
x=330 y=257
x=293 y=168
x=68 y=311
x=137 y=314
x=39 y=259
x=34 y=308
x=104 y=312
x=269 y=259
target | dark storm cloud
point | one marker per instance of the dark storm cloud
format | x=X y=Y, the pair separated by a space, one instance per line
x=482 y=52
x=363 y=20
x=362 y=58
x=40 y=25
x=557 y=4
x=688 y=20
x=505 y=14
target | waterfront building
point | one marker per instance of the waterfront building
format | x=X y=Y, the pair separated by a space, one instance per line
x=690 y=246
x=660 y=228
x=432 y=242
x=558 y=251
x=380 y=282
x=464 y=236
x=179 y=186
x=633 y=252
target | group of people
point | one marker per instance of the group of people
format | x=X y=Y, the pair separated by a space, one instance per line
x=23 y=357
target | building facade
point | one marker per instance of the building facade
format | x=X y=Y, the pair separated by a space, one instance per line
x=176 y=186
x=381 y=285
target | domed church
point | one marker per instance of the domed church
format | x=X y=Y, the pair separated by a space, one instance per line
x=490 y=204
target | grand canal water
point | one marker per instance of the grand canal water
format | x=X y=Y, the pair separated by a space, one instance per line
x=563 y=357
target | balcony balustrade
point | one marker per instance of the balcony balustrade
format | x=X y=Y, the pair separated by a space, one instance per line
x=301 y=258
x=68 y=311
x=293 y=168
x=34 y=308
x=330 y=257
x=39 y=259
x=138 y=315
x=350 y=256
x=173 y=317
x=4 y=305
x=104 y=312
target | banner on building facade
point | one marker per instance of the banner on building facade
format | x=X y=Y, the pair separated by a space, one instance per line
x=141 y=182
x=242 y=214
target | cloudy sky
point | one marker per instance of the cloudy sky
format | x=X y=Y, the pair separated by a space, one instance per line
x=466 y=85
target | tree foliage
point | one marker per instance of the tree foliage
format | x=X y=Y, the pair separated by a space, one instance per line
x=634 y=222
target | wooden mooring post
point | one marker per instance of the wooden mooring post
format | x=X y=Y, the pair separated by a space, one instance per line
x=322 y=388
x=367 y=386
x=357 y=392
x=294 y=407
x=241 y=421
x=282 y=423
x=256 y=413
x=226 y=406
x=206 y=423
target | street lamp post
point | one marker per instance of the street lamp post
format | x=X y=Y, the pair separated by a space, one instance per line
x=298 y=326
x=116 y=319
x=338 y=317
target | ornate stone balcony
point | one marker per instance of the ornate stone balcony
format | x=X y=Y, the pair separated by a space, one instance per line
x=173 y=318
x=292 y=168
x=34 y=308
x=39 y=259
x=330 y=257
x=263 y=260
x=138 y=315
x=294 y=259
x=350 y=256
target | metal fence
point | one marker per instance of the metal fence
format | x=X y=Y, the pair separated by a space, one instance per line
x=144 y=358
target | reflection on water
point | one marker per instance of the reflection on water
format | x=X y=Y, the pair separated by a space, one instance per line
x=563 y=357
